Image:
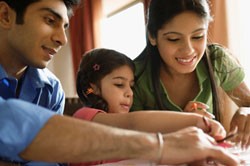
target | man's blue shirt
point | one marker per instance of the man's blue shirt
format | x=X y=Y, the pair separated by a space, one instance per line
x=39 y=86
x=20 y=121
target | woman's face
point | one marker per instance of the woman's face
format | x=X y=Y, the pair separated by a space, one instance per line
x=182 y=42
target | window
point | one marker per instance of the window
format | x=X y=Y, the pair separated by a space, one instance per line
x=124 y=31
x=239 y=26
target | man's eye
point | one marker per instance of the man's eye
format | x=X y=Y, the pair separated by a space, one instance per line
x=50 y=21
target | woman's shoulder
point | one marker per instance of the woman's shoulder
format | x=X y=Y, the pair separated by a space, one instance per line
x=226 y=67
x=143 y=75
x=220 y=54
x=216 y=50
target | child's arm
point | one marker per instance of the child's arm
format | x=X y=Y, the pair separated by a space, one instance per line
x=159 y=121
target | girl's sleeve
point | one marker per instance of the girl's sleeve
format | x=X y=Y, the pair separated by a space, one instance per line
x=87 y=113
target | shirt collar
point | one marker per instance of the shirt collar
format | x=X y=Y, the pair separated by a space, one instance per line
x=38 y=77
x=201 y=72
x=3 y=74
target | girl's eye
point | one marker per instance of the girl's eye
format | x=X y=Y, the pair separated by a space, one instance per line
x=119 y=85
x=172 y=40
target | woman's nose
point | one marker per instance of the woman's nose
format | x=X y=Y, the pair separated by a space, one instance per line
x=187 y=47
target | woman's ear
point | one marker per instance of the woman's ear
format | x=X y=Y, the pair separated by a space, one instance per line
x=152 y=40
x=7 y=15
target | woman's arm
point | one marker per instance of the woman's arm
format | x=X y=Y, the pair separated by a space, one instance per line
x=240 y=95
x=241 y=119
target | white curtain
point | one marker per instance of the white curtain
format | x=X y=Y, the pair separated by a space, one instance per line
x=239 y=32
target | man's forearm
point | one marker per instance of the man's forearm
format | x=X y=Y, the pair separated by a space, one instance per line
x=73 y=140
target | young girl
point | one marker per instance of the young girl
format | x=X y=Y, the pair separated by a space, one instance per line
x=104 y=84
x=178 y=65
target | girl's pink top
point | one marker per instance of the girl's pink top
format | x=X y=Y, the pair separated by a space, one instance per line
x=87 y=113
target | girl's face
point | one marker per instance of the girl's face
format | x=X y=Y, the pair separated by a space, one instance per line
x=182 y=42
x=116 y=89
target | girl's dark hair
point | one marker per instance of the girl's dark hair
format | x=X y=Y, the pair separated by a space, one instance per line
x=161 y=12
x=20 y=7
x=94 y=66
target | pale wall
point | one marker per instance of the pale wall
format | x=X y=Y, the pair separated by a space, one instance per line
x=62 y=67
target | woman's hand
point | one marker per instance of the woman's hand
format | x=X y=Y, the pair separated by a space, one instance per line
x=199 y=108
x=211 y=127
x=241 y=120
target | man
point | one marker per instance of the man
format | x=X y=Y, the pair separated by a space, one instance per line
x=31 y=32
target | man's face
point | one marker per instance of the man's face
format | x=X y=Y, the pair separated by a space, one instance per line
x=38 y=39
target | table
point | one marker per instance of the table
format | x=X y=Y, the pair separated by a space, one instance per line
x=245 y=155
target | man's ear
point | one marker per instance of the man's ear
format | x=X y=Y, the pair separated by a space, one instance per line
x=7 y=15
x=152 y=39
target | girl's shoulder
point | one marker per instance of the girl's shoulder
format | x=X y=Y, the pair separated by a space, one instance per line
x=87 y=113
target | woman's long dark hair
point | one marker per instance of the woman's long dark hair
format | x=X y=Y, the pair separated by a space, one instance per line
x=94 y=66
x=161 y=12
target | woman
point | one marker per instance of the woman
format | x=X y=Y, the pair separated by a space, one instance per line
x=178 y=65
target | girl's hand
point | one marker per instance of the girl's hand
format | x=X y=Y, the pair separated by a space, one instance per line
x=241 y=120
x=199 y=108
x=211 y=127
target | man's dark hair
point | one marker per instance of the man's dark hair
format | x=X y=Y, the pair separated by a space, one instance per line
x=20 y=7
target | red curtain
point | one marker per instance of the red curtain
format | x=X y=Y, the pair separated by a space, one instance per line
x=84 y=29
x=81 y=33
x=146 y=5
x=218 y=31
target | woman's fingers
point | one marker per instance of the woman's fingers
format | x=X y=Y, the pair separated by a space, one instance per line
x=199 y=108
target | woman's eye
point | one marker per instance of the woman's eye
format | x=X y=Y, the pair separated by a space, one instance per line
x=198 y=37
